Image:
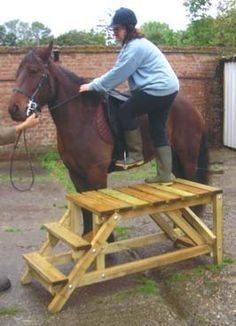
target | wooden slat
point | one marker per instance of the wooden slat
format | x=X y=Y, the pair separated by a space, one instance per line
x=168 y=197
x=47 y=271
x=199 y=185
x=143 y=264
x=152 y=199
x=164 y=226
x=133 y=201
x=177 y=218
x=90 y=204
x=172 y=190
x=193 y=190
x=102 y=197
x=197 y=223
x=62 y=233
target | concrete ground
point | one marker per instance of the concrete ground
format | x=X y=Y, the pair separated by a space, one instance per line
x=187 y=293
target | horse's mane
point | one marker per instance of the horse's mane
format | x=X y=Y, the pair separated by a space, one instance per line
x=73 y=77
x=35 y=56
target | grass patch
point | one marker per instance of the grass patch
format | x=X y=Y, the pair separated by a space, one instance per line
x=226 y=261
x=146 y=286
x=52 y=162
x=11 y=230
x=9 y=311
x=135 y=174
x=122 y=232
x=178 y=277
x=200 y=271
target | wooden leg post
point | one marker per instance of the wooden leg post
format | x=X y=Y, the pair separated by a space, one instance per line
x=217 y=228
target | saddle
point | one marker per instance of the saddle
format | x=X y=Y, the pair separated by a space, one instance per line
x=112 y=102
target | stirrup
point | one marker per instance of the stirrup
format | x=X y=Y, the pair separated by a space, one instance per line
x=126 y=165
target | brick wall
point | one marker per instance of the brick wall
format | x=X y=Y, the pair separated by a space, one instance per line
x=195 y=67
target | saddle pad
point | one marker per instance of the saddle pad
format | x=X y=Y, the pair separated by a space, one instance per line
x=102 y=126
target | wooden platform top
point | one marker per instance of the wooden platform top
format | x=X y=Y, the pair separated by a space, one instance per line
x=109 y=200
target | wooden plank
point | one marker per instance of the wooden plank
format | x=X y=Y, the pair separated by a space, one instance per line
x=136 y=242
x=89 y=203
x=152 y=199
x=172 y=190
x=165 y=226
x=42 y=267
x=197 y=223
x=193 y=190
x=102 y=197
x=177 y=218
x=218 y=229
x=168 y=197
x=133 y=201
x=143 y=264
x=214 y=190
x=62 y=233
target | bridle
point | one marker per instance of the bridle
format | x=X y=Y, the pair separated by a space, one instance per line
x=33 y=106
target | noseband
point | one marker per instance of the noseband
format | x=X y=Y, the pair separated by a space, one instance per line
x=33 y=106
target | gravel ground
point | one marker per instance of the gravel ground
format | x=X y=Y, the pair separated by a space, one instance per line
x=187 y=293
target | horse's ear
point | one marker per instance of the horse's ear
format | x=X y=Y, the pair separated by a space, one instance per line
x=45 y=54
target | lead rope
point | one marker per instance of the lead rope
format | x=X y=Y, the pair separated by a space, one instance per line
x=29 y=163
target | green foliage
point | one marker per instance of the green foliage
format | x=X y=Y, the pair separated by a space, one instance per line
x=197 y=9
x=11 y=230
x=135 y=174
x=225 y=27
x=122 y=232
x=200 y=32
x=147 y=286
x=9 y=311
x=15 y=32
x=75 y=37
x=159 y=33
x=52 y=162
x=200 y=271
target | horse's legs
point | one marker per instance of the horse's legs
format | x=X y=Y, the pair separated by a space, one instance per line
x=188 y=157
x=96 y=179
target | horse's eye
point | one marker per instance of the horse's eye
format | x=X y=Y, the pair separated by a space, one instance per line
x=33 y=70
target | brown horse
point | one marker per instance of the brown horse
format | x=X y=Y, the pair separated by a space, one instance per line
x=85 y=142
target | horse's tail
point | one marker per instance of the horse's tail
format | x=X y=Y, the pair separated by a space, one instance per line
x=201 y=175
x=203 y=160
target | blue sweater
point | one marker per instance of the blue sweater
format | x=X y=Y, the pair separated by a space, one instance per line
x=144 y=66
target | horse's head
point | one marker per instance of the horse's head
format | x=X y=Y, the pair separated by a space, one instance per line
x=32 y=89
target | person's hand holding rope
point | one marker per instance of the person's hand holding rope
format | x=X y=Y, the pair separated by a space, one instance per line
x=30 y=122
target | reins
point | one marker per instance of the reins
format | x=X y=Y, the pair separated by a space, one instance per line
x=29 y=163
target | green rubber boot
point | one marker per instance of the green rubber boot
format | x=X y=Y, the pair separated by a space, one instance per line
x=163 y=166
x=135 y=149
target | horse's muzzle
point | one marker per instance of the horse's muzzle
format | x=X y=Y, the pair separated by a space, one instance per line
x=16 y=113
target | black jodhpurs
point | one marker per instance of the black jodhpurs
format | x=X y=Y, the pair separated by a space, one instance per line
x=156 y=107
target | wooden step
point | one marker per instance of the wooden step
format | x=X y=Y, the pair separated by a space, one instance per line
x=44 y=269
x=67 y=236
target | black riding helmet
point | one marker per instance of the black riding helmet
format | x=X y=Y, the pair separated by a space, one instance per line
x=124 y=17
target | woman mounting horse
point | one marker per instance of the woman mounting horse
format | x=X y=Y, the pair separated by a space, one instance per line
x=85 y=151
x=153 y=85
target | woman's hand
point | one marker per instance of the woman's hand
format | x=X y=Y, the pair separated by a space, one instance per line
x=84 y=88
